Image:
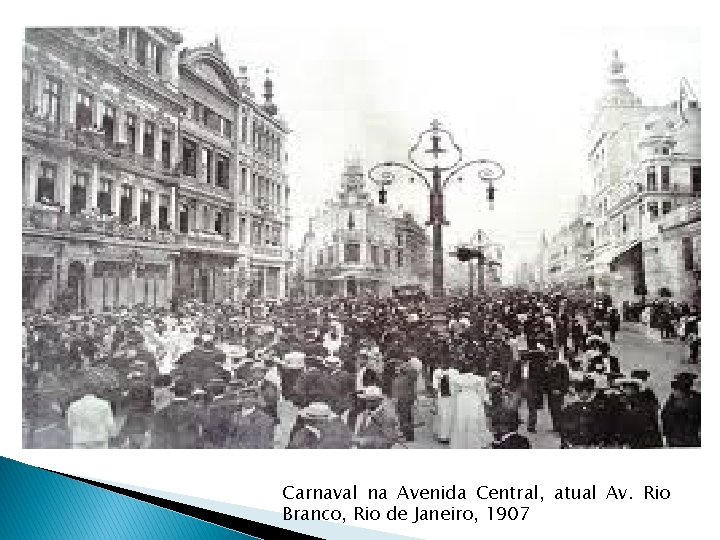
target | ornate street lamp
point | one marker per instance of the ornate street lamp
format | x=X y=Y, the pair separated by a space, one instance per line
x=436 y=152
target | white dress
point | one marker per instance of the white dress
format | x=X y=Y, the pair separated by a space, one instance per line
x=444 y=415
x=469 y=423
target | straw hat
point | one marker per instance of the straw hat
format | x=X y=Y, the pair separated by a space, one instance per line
x=317 y=411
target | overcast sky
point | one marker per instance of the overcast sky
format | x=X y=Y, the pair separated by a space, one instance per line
x=521 y=96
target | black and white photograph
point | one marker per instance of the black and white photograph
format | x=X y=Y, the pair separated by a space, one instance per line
x=347 y=240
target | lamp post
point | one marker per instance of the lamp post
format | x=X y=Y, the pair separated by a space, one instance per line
x=436 y=152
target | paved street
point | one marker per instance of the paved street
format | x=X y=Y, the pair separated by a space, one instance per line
x=634 y=348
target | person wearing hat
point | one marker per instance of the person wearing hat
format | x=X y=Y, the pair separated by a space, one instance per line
x=342 y=386
x=404 y=392
x=615 y=419
x=179 y=424
x=136 y=431
x=313 y=384
x=681 y=413
x=536 y=383
x=251 y=427
x=322 y=428
x=374 y=426
x=558 y=385
x=578 y=427
x=505 y=431
x=646 y=406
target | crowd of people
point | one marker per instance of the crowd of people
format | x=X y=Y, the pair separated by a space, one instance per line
x=344 y=373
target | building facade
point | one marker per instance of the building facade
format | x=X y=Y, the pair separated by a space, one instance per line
x=638 y=234
x=142 y=169
x=207 y=186
x=263 y=195
x=100 y=137
x=645 y=162
x=355 y=248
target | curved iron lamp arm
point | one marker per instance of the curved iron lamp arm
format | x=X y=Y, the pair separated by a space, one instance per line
x=485 y=174
x=388 y=164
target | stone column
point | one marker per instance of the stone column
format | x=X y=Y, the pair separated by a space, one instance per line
x=234 y=224
x=175 y=142
x=32 y=172
x=89 y=276
x=363 y=251
x=91 y=201
x=155 y=209
x=199 y=172
x=197 y=219
x=149 y=56
x=37 y=91
x=70 y=98
x=132 y=43
x=136 y=198
x=139 y=135
x=64 y=183
x=115 y=195
x=169 y=281
x=281 y=283
x=158 y=142
x=172 y=209
x=119 y=128
x=98 y=111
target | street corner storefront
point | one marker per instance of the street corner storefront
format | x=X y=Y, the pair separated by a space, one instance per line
x=123 y=277
x=85 y=277
x=205 y=277
x=349 y=284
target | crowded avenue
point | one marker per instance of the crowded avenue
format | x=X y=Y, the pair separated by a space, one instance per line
x=510 y=369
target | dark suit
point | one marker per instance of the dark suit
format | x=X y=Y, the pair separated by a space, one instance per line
x=255 y=430
x=179 y=425
x=558 y=384
x=511 y=441
x=536 y=385
x=326 y=434
x=681 y=420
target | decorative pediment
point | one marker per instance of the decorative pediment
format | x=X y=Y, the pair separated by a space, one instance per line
x=207 y=64
x=208 y=73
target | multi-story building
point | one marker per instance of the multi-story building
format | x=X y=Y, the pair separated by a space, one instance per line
x=148 y=173
x=100 y=137
x=207 y=184
x=263 y=196
x=645 y=162
x=639 y=234
x=355 y=248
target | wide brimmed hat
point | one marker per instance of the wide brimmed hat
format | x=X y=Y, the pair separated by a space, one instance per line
x=371 y=393
x=317 y=411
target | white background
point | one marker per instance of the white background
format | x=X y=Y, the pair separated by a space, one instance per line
x=256 y=478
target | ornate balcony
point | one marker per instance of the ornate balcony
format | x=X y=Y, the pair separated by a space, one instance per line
x=206 y=241
x=268 y=251
x=50 y=218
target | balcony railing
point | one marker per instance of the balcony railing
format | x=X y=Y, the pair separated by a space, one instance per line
x=681 y=215
x=205 y=240
x=50 y=218
x=92 y=140
x=268 y=251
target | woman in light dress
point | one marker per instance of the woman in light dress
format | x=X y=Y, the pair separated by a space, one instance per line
x=469 y=427
x=444 y=401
